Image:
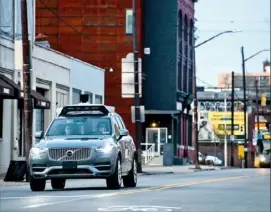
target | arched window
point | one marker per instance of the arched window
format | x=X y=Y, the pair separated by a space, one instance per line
x=185 y=59
x=180 y=47
x=191 y=56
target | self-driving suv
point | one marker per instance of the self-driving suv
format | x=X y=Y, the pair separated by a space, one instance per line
x=84 y=141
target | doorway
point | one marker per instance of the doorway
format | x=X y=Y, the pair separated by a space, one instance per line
x=158 y=137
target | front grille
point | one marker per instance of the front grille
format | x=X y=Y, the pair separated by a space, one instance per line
x=60 y=154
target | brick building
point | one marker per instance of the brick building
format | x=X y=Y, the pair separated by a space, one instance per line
x=100 y=33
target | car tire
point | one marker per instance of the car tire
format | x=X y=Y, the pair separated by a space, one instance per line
x=131 y=179
x=115 y=180
x=58 y=183
x=37 y=184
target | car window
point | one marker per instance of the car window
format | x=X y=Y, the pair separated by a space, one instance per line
x=78 y=125
x=116 y=122
x=120 y=124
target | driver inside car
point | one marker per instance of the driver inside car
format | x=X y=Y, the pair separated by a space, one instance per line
x=102 y=128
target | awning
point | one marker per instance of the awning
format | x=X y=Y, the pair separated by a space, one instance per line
x=6 y=91
x=13 y=85
x=40 y=102
x=161 y=112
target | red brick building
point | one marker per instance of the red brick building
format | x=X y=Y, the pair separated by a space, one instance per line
x=95 y=32
x=99 y=32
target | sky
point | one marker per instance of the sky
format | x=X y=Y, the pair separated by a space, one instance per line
x=223 y=54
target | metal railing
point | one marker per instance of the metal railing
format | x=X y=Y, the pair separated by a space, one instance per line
x=148 y=152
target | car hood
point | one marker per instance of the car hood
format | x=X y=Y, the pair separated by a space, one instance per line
x=73 y=143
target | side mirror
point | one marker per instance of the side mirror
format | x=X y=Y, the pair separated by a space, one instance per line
x=39 y=134
x=124 y=133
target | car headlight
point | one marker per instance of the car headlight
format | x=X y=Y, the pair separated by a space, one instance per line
x=105 y=149
x=262 y=158
x=38 y=150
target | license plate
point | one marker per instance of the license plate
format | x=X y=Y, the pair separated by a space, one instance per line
x=69 y=165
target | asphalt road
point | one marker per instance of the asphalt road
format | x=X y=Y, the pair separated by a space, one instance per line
x=224 y=190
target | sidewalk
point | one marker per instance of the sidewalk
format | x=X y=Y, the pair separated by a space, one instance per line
x=158 y=170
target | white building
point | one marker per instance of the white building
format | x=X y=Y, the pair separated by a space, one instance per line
x=56 y=80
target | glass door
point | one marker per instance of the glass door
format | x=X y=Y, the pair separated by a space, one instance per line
x=158 y=137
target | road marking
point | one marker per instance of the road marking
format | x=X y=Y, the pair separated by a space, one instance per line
x=156 y=188
x=139 y=208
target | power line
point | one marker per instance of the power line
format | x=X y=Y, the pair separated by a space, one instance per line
x=52 y=11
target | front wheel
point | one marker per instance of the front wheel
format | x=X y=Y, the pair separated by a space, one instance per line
x=37 y=184
x=131 y=179
x=115 y=180
x=58 y=183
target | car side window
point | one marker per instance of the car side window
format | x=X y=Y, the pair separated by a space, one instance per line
x=121 y=122
x=117 y=122
x=116 y=127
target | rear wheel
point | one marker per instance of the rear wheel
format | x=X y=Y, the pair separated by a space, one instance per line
x=37 y=184
x=131 y=179
x=115 y=180
x=58 y=183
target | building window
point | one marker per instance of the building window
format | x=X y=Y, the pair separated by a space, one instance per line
x=98 y=99
x=190 y=130
x=76 y=96
x=40 y=113
x=90 y=97
x=1 y=118
x=185 y=54
x=180 y=57
x=61 y=99
x=129 y=21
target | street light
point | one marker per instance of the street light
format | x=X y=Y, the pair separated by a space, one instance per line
x=219 y=34
x=245 y=100
x=195 y=94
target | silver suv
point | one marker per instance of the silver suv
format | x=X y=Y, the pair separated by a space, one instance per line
x=84 y=141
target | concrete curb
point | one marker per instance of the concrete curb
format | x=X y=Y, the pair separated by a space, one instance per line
x=155 y=173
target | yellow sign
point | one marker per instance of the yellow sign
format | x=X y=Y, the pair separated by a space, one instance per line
x=263 y=100
x=221 y=122
x=241 y=151
x=267 y=136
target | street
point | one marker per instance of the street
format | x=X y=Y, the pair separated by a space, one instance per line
x=221 y=190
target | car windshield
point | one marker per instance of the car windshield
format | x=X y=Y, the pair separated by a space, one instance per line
x=80 y=126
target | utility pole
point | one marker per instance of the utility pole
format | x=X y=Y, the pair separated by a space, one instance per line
x=245 y=106
x=225 y=132
x=136 y=89
x=26 y=82
x=257 y=107
x=197 y=166
x=232 y=118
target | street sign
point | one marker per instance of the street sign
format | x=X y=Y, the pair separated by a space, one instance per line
x=142 y=114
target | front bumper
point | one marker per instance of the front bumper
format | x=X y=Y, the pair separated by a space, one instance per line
x=97 y=166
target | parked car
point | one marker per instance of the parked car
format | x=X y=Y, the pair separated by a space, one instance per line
x=84 y=141
x=265 y=159
x=201 y=158
x=213 y=160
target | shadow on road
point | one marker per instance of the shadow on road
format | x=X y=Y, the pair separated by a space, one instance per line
x=96 y=189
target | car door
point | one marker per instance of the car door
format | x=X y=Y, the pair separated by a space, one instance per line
x=129 y=144
x=122 y=144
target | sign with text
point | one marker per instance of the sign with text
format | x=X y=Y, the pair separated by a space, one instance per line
x=221 y=122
